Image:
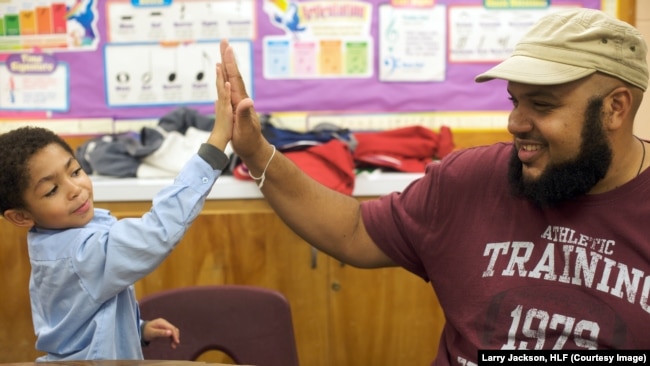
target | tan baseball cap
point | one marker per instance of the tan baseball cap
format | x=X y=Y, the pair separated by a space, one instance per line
x=571 y=44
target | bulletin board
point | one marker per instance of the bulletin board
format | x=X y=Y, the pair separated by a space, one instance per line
x=127 y=59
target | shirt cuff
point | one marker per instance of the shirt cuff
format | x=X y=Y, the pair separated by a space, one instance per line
x=217 y=159
x=143 y=343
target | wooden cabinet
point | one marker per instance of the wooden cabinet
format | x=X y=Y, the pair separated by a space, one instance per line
x=342 y=315
x=16 y=329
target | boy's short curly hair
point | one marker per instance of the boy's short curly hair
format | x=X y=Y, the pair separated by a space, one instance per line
x=17 y=147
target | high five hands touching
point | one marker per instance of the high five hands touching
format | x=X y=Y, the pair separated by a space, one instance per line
x=247 y=139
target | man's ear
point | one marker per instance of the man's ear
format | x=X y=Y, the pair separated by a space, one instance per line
x=19 y=217
x=620 y=106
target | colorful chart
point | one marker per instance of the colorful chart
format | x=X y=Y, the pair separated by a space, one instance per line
x=59 y=24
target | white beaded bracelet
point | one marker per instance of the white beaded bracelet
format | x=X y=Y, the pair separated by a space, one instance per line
x=263 y=176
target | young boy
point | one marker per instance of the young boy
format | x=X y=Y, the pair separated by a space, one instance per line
x=85 y=261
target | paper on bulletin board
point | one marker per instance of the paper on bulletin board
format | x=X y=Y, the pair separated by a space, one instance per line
x=56 y=26
x=33 y=82
x=412 y=43
x=176 y=47
x=321 y=40
x=172 y=75
x=480 y=35
x=180 y=21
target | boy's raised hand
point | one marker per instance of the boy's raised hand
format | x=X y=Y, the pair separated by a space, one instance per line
x=223 y=123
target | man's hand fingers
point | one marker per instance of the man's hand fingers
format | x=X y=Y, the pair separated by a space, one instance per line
x=231 y=72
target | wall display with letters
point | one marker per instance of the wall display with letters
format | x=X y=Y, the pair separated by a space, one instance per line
x=129 y=59
x=121 y=59
x=388 y=56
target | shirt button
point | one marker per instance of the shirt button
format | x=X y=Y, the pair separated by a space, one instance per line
x=205 y=180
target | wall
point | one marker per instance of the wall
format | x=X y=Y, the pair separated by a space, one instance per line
x=642 y=125
x=368 y=113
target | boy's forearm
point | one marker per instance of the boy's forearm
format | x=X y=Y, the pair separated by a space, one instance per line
x=218 y=140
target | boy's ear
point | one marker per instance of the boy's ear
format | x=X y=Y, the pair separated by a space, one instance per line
x=19 y=217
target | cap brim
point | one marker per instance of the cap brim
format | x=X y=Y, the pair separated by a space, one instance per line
x=534 y=71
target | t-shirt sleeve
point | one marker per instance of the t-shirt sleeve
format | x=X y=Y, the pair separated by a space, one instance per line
x=418 y=227
x=397 y=222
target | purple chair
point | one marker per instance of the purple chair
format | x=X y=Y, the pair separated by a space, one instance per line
x=250 y=324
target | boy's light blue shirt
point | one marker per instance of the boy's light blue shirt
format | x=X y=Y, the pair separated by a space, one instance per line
x=81 y=286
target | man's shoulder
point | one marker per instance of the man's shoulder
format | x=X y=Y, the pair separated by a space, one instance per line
x=479 y=157
x=496 y=150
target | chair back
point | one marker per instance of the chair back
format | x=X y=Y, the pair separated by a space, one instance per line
x=250 y=324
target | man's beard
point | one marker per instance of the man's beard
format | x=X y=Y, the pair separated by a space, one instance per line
x=567 y=180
